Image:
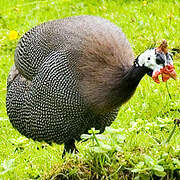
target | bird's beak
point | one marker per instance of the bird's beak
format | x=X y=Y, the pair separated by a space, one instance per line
x=167 y=72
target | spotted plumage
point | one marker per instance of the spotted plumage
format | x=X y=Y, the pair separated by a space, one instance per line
x=70 y=75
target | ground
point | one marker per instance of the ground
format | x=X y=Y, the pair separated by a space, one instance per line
x=143 y=142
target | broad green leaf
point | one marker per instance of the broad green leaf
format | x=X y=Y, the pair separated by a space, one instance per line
x=86 y=136
x=140 y=164
x=160 y=173
x=120 y=138
x=158 y=168
x=177 y=162
x=136 y=170
x=93 y=130
x=149 y=161
x=99 y=150
x=113 y=130
x=101 y=137
x=105 y=146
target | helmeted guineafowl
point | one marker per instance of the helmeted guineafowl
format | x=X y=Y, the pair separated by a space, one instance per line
x=73 y=74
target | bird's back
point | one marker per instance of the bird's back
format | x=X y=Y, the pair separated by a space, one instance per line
x=77 y=37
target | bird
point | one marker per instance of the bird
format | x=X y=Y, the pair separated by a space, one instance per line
x=72 y=74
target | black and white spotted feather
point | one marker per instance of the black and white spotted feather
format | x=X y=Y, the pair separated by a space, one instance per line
x=46 y=88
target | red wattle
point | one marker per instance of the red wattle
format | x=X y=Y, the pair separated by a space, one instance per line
x=155 y=76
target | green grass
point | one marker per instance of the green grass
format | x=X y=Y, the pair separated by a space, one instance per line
x=135 y=146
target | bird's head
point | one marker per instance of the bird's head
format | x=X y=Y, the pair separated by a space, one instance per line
x=159 y=62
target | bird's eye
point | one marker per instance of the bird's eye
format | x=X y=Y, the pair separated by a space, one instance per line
x=149 y=58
